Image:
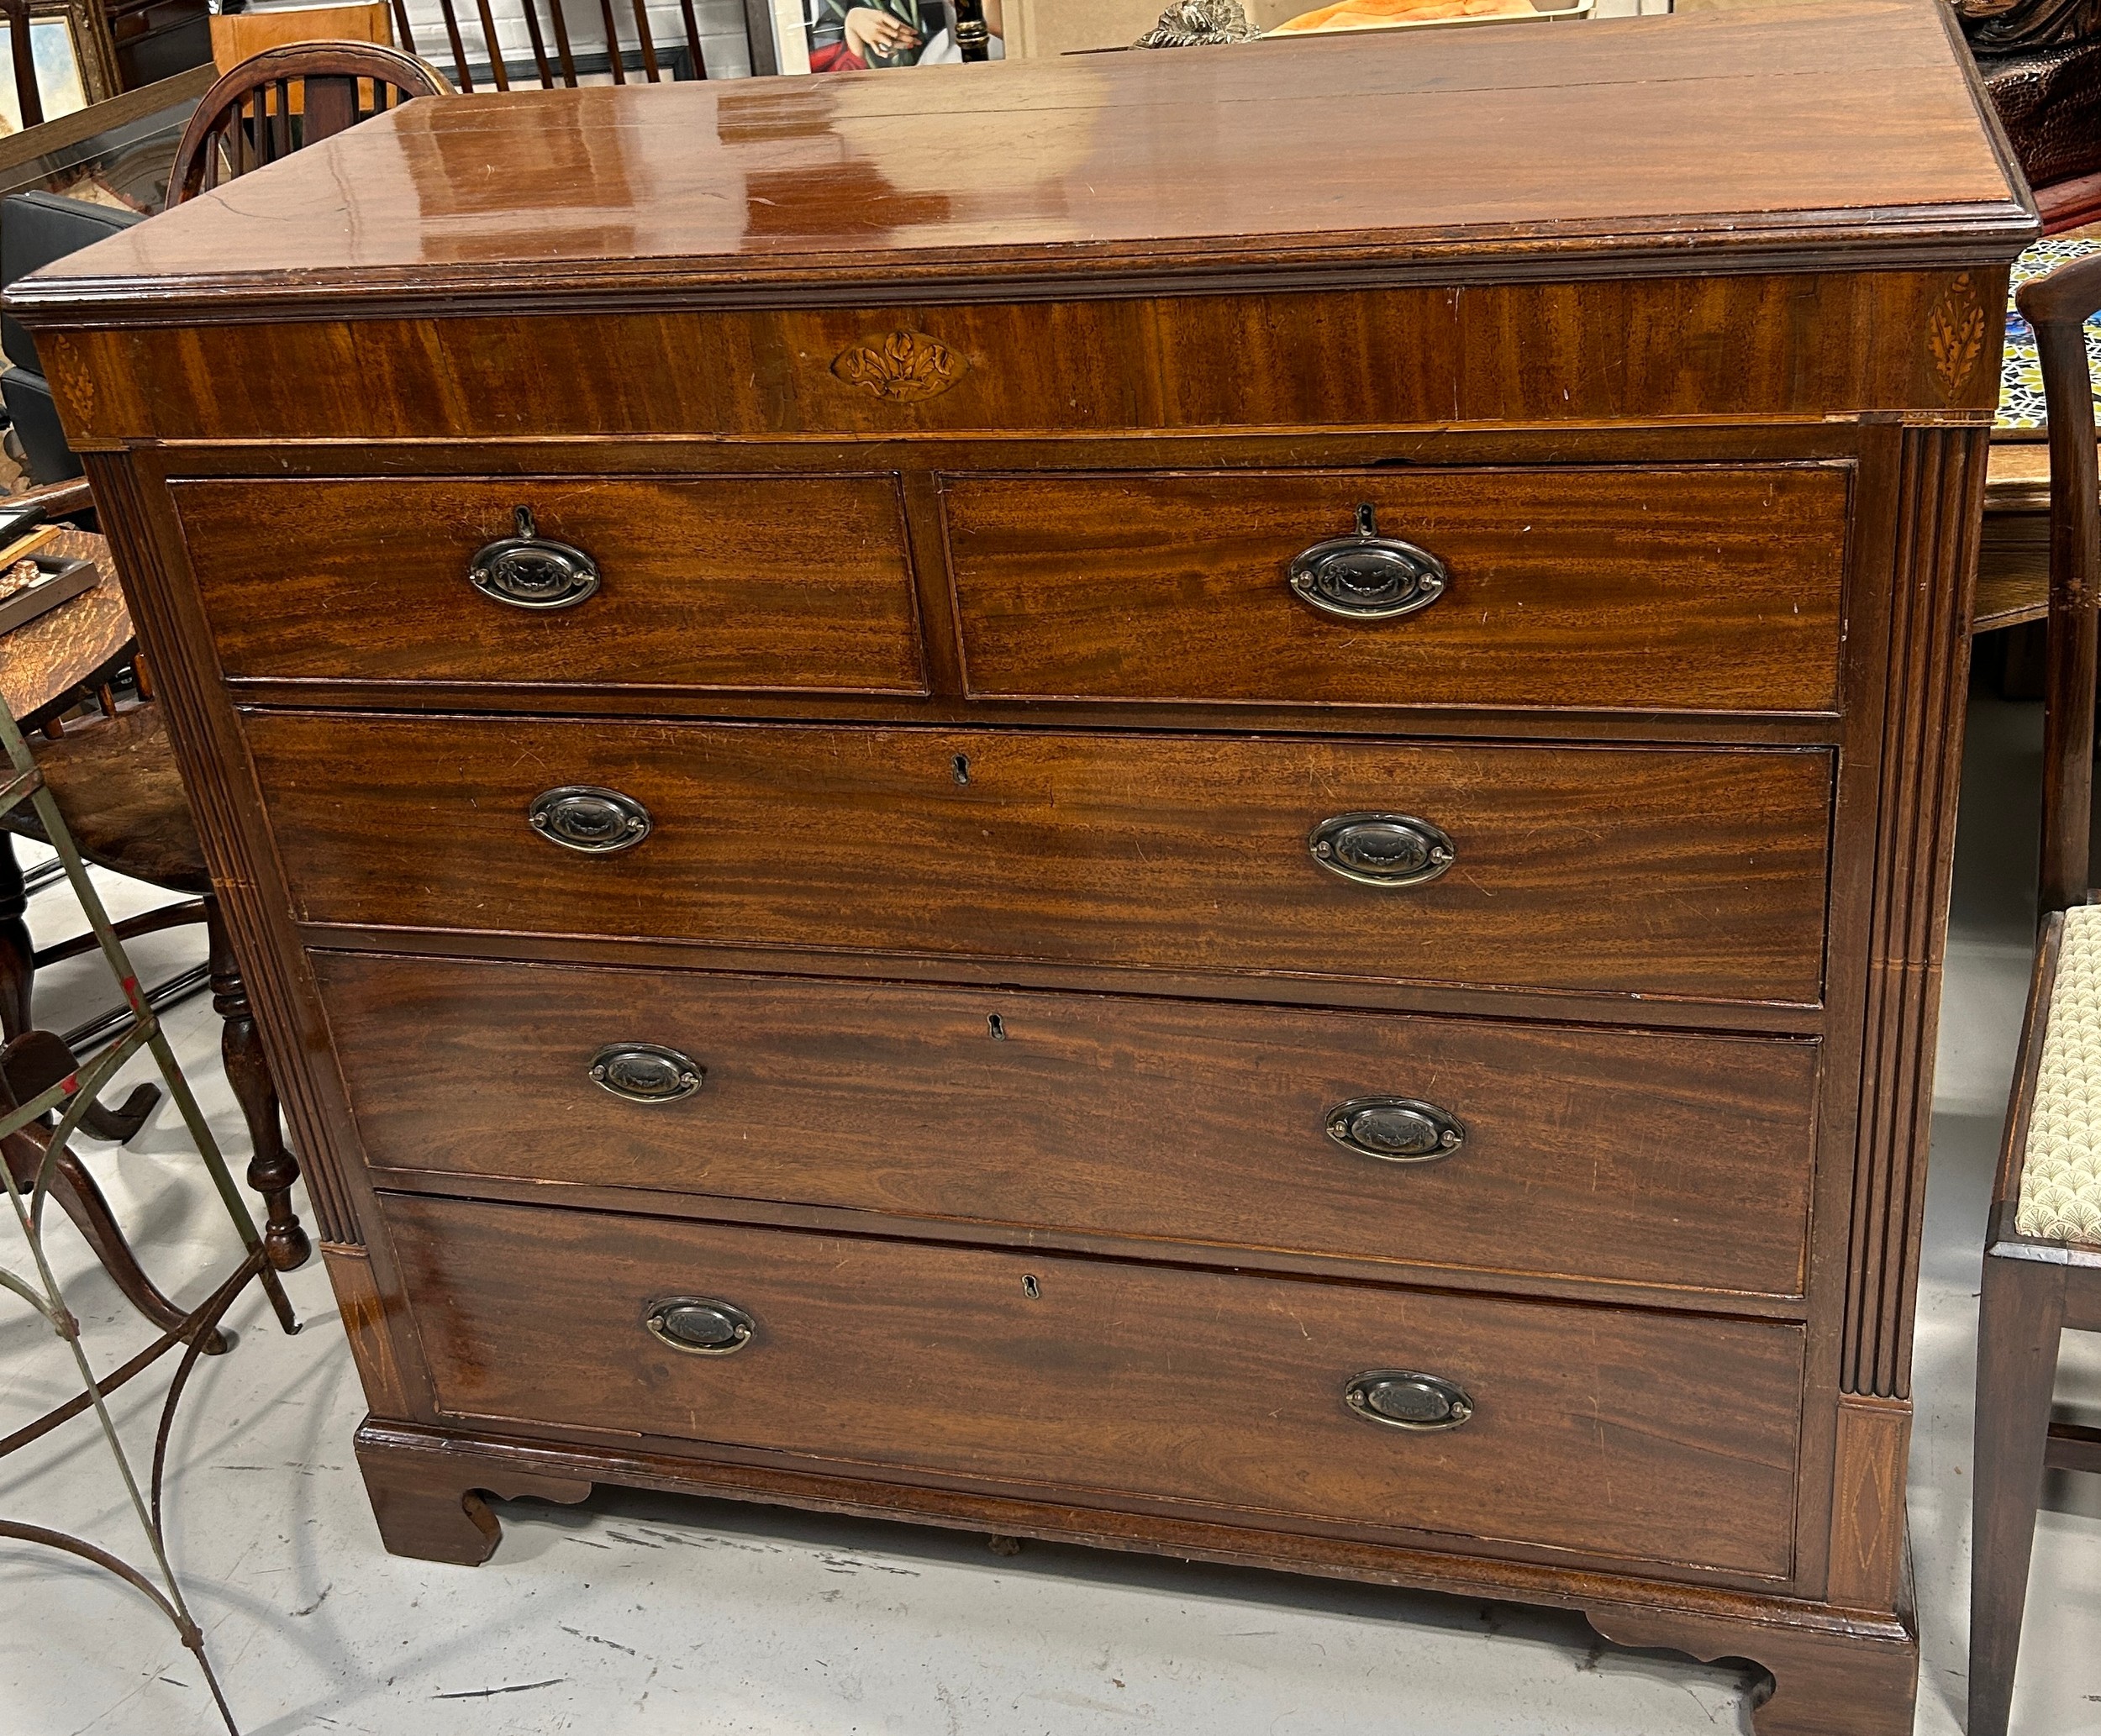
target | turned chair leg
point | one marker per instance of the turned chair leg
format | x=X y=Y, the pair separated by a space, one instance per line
x=2021 y=1316
x=273 y=1170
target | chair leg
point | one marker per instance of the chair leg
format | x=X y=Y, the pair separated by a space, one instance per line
x=2021 y=1316
x=75 y=1190
x=273 y=1170
x=17 y=953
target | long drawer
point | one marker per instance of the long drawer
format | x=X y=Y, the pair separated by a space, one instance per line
x=1662 y=871
x=714 y=582
x=1637 y=1156
x=1607 y=1433
x=1692 y=588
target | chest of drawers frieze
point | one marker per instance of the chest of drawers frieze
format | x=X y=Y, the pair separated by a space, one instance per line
x=1249 y=865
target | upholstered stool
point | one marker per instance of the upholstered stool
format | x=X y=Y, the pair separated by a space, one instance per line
x=2060 y=1161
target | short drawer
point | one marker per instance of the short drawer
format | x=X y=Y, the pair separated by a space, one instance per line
x=1642 y=1157
x=1694 y=872
x=1602 y=1432
x=714 y=582
x=1694 y=589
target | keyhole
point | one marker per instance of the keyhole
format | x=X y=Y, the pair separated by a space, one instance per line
x=997 y=1027
x=962 y=763
x=1030 y=1288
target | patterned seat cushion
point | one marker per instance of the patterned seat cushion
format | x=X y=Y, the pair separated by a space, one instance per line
x=2061 y=1174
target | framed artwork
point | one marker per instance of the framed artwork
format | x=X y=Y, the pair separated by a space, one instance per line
x=59 y=59
x=854 y=35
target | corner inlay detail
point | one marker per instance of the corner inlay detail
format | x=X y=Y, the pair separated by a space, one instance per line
x=1954 y=334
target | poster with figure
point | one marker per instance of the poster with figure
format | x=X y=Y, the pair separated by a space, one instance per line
x=851 y=35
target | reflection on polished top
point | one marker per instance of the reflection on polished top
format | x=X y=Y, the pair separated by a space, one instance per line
x=1767 y=135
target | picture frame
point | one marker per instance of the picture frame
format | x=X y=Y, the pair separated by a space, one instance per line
x=59 y=59
x=832 y=35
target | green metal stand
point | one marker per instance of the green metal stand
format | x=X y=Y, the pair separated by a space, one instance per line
x=70 y=1097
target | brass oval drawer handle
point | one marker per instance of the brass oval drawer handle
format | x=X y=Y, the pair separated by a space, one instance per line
x=1381 y=849
x=699 y=1325
x=530 y=571
x=1396 y=1130
x=585 y=818
x=646 y=1072
x=1401 y=1399
x=1366 y=576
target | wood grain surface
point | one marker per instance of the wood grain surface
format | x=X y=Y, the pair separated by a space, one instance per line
x=1647 y=1157
x=1655 y=871
x=1848 y=128
x=769 y=582
x=45 y=659
x=1747 y=348
x=1615 y=1434
x=1696 y=589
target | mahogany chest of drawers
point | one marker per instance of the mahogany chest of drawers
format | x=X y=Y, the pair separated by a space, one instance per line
x=1173 y=800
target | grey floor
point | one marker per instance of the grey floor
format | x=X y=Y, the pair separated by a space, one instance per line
x=645 y=1614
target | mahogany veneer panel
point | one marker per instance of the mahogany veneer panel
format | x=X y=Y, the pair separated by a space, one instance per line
x=1644 y=1157
x=1659 y=589
x=768 y=582
x=1664 y=872
x=1751 y=347
x=1614 y=1432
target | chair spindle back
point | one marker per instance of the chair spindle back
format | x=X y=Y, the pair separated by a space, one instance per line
x=270 y=105
x=561 y=70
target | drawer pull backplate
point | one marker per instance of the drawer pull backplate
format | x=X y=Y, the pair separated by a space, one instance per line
x=1401 y=1130
x=1401 y=1399
x=586 y=817
x=699 y=1325
x=1381 y=849
x=646 y=1072
x=1366 y=576
x=531 y=572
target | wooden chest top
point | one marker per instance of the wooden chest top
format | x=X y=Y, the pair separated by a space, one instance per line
x=1798 y=138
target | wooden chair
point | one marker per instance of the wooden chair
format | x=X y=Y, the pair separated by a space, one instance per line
x=285 y=97
x=561 y=70
x=2042 y=1256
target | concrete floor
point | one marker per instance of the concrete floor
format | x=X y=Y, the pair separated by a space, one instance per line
x=641 y=1613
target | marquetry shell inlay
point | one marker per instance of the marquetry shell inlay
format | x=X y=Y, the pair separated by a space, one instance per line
x=900 y=367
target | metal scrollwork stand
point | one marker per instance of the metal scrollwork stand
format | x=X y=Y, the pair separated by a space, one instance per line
x=70 y=1097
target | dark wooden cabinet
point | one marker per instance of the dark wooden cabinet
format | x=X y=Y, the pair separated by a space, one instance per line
x=1247 y=863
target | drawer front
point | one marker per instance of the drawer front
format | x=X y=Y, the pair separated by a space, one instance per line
x=721 y=582
x=1666 y=872
x=1635 y=1156
x=1688 y=589
x=1605 y=1432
